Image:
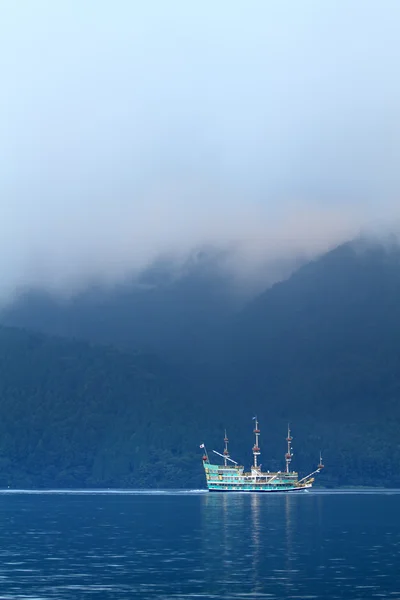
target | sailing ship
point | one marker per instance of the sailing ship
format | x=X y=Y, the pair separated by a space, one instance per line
x=233 y=478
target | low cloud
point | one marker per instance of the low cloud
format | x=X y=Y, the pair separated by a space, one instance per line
x=87 y=244
x=134 y=131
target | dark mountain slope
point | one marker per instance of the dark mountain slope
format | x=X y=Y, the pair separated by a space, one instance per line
x=323 y=348
x=168 y=310
x=181 y=312
x=77 y=415
x=346 y=302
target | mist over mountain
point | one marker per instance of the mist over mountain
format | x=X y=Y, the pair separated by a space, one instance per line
x=189 y=310
x=176 y=309
x=345 y=298
x=319 y=349
x=182 y=180
x=165 y=128
x=328 y=317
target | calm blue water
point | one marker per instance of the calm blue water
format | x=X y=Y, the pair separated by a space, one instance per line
x=199 y=545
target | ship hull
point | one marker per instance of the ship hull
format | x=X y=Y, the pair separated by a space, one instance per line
x=234 y=479
x=260 y=491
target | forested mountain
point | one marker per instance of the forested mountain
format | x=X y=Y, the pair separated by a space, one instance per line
x=321 y=349
x=76 y=415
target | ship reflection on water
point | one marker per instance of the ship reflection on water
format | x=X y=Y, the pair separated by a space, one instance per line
x=251 y=535
x=312 y=545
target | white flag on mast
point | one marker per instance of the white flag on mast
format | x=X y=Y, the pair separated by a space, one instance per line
x=201 y=445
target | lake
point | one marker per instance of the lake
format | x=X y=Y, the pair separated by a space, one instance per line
x=316 y=545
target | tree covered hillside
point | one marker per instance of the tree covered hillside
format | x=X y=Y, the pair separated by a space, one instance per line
x=321 y=350
x=75 y=415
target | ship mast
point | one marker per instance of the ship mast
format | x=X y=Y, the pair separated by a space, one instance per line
x=288 y=455
x=256 y=448
x=226 y=451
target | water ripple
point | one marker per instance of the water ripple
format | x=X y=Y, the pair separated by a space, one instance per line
x=109 y=546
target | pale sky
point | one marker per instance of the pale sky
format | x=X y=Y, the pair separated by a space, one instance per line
x=128 y=128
